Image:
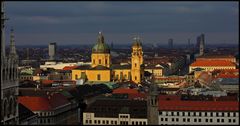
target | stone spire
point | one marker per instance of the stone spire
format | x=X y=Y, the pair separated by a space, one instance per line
x=3 y=18
x=12 y=52
x=100 y=38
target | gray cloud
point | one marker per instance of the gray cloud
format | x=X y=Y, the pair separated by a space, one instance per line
x=68 y=20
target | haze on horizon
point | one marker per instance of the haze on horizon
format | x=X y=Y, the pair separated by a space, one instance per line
x=39 y=23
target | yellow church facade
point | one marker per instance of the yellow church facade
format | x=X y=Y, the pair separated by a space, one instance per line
x=102 y=70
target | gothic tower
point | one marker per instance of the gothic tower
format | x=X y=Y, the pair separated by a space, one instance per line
x=137 y=61
x=101 y=53
x=152 y=105
x=9 y=79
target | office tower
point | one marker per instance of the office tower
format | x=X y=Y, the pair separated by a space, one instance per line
x=200 y=46
x=52 y=47
x=170 y=43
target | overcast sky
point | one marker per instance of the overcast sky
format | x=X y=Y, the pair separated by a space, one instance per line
x=39 y=23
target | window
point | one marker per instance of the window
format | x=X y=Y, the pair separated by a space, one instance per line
x=217 y=114
x=234 y=114
x=199 y=120
x=188 y=120
x=160 y=113
x=94 y=61
x=76 y=76
x=200 y=114
x=132 y=123
x=90 y=121
x=184 y=119
x=222 y=120
x=234 y=120
x=195 y=120
x=135 y=77
x=107 y=122
x=228 y=114
x=206 y=120
x=205 y=113
x=106 y=61
x=172 y=114
x=194 y=113
x=103 y=121
x=177 y=113
x=86 y=121
x=135 y=65
x=166 y=119
x=222 y=114
x=161 y=119
x=95 y=121
x=115 y=122
x=98 y=77
x=173 y=119
x=188 y=113
x=183 y=113
x=210 y=120
x=136 y=122
x=218 y=120
x=99 y=61
x=177 y=120
x=144 y=123
x=211 y=114
x=111 y=122
x=99 y=122
x=140 y=123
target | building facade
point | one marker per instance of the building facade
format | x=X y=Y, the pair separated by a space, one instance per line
x=102 y=70
x=116 y=112
x=210 y=65
x=9 y=78
x=174 y=111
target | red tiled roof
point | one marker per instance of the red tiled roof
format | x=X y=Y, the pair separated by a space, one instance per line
x=227 y=76
x=46 y=82
x=212 y=63
x=136 y=96
x=69 y=67
x=180 y=105
x=36 y=103
x=125 y=91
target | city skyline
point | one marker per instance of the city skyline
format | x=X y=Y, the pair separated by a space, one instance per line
x=40 y=23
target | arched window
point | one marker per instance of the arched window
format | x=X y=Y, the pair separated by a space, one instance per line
x=10 y=107
x=5 y=107
x=106 y=61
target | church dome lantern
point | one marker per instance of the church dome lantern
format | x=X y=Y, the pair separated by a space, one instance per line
x=100 y=46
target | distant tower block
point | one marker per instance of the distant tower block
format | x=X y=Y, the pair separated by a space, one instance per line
x=201 y=45
x=170 y=43
x=52 y=47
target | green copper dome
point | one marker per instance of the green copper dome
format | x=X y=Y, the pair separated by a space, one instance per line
x=100 y=46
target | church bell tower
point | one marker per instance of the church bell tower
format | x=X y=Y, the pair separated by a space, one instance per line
x=137 y=61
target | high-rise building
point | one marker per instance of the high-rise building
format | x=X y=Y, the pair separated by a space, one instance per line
x=52 y=47
x=170 y=43
x=9 y=78
x=200 y=44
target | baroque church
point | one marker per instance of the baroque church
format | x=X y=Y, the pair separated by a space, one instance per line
x=102 y=70
x=9 y=77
